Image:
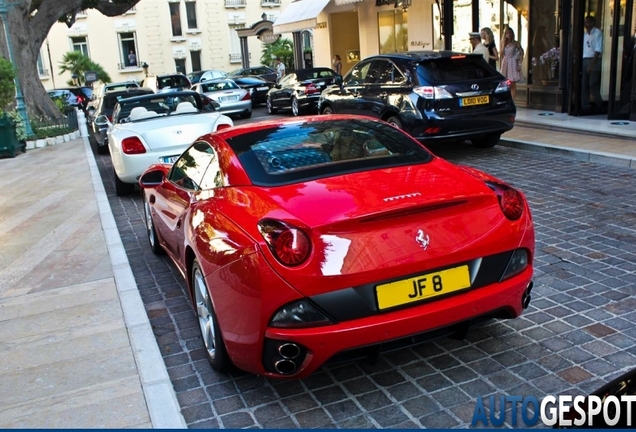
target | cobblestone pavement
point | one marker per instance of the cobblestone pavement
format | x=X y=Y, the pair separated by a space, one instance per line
x=579 y=332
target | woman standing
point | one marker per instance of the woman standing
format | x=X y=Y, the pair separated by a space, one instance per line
x=489 y=42
x=511 y=58
x=337 y=64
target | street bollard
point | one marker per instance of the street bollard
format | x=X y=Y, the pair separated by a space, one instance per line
x=81 y=122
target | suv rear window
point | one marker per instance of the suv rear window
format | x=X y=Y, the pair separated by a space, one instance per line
x=447 y=70
x=302 y=151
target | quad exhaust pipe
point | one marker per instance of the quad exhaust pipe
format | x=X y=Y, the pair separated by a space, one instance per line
x=526 y=297
x=289 y=353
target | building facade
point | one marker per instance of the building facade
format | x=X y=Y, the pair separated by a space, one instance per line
x=167 y=35
x=551 y=33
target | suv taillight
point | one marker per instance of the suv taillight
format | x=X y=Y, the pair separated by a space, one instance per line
x=430 y=92
x=503 y=86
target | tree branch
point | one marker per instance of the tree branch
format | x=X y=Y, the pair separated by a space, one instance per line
x=112 y=8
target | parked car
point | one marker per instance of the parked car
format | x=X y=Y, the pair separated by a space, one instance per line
x=299 y=90
x=104 y=106
x=304 y=239
x=167 y=83
x=231 y=98
x=73 y=96
x=155 y=127
x=257 y=87
x=432 y=95
x=263 y=72
x=110 y=87
x=199 y=76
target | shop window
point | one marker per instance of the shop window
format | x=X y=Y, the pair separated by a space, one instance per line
x=393 y=31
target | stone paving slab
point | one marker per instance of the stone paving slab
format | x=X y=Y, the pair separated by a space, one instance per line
x=70 y=358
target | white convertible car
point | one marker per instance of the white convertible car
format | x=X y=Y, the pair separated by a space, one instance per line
x=157 y=128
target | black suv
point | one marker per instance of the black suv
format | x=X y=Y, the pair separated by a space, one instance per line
x=432 y=95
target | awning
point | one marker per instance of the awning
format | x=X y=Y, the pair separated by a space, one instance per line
x=299 y=15
x=346 y=2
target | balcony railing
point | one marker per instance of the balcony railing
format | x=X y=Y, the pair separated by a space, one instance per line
x=235 y=3
x=122 y=66
x=270 y=3
x=235 y=58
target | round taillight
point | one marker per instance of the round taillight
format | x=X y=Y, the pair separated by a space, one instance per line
x=289 y=244
x=511 y=204
x=291 y=247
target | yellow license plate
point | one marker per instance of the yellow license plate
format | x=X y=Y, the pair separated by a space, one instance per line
x=477 y=100
x=422 y=287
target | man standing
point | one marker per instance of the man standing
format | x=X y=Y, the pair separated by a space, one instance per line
x=280 y=70
x=591 y=73
x=132 y=59
x=479 y=48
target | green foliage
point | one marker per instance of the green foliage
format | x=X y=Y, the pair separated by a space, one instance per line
x=7 y=86
x=20 y=128
x=45 y=128
x=77 y=63
x=282 y=49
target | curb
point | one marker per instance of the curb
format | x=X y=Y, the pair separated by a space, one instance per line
x=161 y=399
x=581 y=155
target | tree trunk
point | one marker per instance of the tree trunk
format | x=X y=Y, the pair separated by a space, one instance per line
x=29 y=23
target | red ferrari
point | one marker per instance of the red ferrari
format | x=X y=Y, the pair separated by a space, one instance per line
x=304 y=239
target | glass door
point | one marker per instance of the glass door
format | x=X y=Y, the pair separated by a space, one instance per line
x=622 y=55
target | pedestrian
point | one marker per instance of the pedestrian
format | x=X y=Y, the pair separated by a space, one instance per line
x=511 y=58
x=591 y=73
x=132 y=59
x=337 y=64
x=478 y=48
x=488 y=39
x=280 y=70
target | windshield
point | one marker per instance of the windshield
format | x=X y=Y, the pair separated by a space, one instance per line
x=302 y=151
x=159 y=105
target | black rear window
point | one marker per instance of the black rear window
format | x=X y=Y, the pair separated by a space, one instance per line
x=448 y=70
x=299 y=152
x=314 y=74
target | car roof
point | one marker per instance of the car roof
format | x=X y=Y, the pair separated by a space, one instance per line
x=159 y=95
x=421 y=55
x=135 y=90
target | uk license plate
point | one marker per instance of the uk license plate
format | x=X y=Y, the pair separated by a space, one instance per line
x=169 y=159
x=475 y=100
x=262 y=88
x=228 y=98
x=422 y=287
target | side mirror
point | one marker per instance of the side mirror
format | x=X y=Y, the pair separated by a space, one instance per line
x=152 y=178
x=102 y=120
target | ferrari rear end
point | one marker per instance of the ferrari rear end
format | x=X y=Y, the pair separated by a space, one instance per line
x=355 y=250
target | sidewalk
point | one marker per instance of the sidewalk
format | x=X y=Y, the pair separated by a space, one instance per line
x=77 y=347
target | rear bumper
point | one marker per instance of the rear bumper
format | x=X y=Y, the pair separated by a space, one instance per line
x=459 y=127
x=322 y=343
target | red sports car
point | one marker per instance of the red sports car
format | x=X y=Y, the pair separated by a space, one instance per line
x=303 y=239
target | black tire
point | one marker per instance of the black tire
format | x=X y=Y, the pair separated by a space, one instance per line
x=153 y=240
x=102 y=150
x=327 y=111
x=208 y=323
x=246 y=115
x=295 y=108
x=270 y=108
x=121 y=188
x=395 y=122
x=488 y=141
